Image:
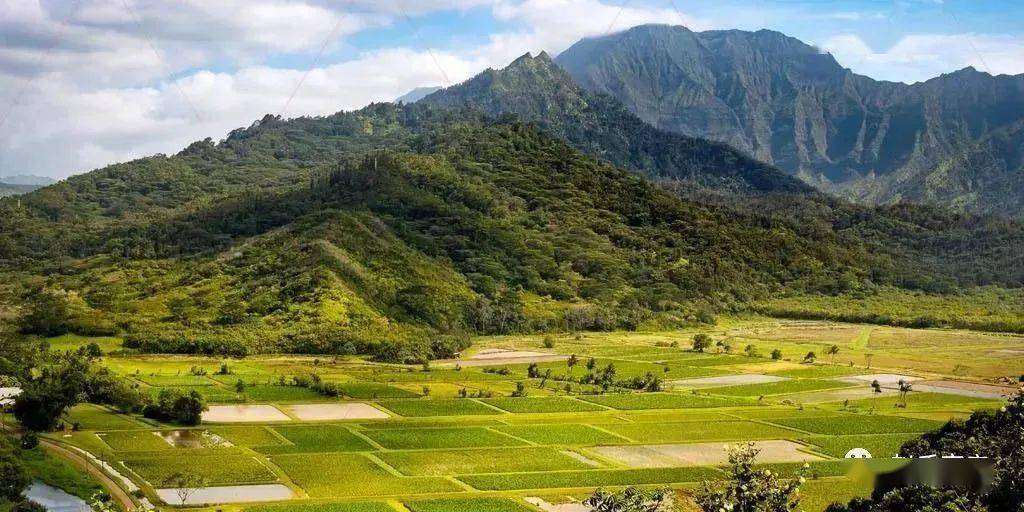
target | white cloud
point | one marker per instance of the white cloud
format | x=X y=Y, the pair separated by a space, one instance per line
x=923 y=56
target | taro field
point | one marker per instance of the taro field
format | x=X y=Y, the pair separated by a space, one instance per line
x=520 y=424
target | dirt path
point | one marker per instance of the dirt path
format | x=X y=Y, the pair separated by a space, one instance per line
x=112 y=488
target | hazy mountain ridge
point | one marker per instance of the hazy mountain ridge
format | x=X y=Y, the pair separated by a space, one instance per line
x=789 y=104
x=535 y=89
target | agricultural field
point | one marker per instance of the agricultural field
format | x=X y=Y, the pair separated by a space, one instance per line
x=483 y=434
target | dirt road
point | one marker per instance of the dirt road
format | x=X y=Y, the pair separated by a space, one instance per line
x=112 y=488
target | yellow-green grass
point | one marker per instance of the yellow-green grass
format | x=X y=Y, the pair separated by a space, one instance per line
x=134 y=441
x=566 y=434
x=624 y=368
x=589 y=479
x=317 y=438
x=338 y=475
x=468 y=505
x=72 y=342
x=482 y=460
x=779 y=388
x=447 y=407
x=859 y=424
x=175 y=380
x=95 y=417
x=364 y=506
x=437 y=438
x=927 y=401
x=820 y=371
x=373 y=390
x=879 y=445
x=542 y=404
x=698 y=431
x=219 y=469
x=635 y=401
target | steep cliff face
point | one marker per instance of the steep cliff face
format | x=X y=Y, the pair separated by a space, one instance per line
x=535 y=89
x=790 y=105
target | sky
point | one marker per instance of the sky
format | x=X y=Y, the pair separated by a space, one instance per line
x=87 y=83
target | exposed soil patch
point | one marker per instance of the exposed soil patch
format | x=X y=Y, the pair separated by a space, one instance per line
x=887 y=380
x=970 y=389
x=580 y=457
x=348 y=411
x=228 y=494
x=699 y=454
x=243 y=414
x=727 y=380
x=551 y=507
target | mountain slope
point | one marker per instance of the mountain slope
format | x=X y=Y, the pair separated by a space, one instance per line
x=307 y=236
x=788 y=104
x=536 y=90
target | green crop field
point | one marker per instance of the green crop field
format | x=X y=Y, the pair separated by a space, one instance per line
x=859 y=425
x=317 y=438
x=634 y=401
x=427 y=438
x=424 y=407
x=455 y=439
x=468 y=505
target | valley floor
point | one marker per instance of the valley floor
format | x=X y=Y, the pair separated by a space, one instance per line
x=451 y=438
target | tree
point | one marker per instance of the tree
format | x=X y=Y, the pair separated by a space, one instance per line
x=750 y=489
x=45 y=399
x=918 y=498
x=810 y=357
x=240 y=386
x=571 y=362
x=905 y=388
x=776 y=355
x=832 y=351
x=48 y=313
x=630 y=499
x=701 y=342
x=13 y=477
x=751 y=351
x=185 y=484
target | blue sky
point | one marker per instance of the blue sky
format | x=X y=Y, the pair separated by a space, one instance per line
x=91 y=82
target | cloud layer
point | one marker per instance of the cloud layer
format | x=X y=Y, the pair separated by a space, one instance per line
x=85 y=83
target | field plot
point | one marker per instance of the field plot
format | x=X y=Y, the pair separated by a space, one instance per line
x=347 y=411
x=589 y=479
x=699 y=454
x=567 y=434
x=353 y=475
x=468 y=505
x=879 y=445
x=435 y=438
x=779 y=388
x=366 y=506
x=134 y=441
x=373 y=390
x=423 y=407
x=94 y=417
x=857 y=424
x=248 y=435
x=220 y=469
x=318 y=438
x=698 y=430
x=922 y=401
x=175 y=380
x=487 y=460
x=542 y=404
x=228 y=494
x=727 y=380
x=635 y=401
x=243 y=414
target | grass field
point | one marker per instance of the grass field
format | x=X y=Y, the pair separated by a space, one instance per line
x=441 y=452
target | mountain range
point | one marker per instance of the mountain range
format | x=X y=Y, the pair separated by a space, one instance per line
x=21 y=184
x=516 y=201
x=951 y=141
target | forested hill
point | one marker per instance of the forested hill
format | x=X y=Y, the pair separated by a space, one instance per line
x=790 y=104
x=398 y=230
x=535 y=89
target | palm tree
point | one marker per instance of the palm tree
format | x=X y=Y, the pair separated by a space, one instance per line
x=571 y=362
x=832 y=351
